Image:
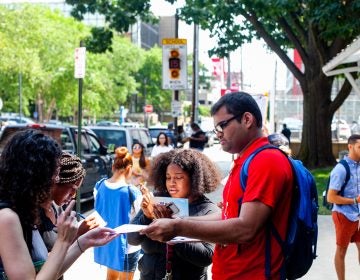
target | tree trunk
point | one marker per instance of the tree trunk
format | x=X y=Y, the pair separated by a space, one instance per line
x=316 y=144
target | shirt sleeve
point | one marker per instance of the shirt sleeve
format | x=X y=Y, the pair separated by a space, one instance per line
x=337 y=177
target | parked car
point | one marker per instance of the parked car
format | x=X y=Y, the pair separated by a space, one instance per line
x=15 y=119
x=106 y=123
x=340 y=129
x=94 y=156
x=155 y=130
x=113 y=137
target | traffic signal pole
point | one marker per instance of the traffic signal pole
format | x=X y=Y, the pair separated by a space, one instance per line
x=176 y=92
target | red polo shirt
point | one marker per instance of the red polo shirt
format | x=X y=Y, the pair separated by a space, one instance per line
x=270 y=181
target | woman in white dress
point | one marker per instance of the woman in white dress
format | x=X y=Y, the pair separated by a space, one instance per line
x=162 y=145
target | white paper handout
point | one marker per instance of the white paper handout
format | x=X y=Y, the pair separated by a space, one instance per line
x=129 y=228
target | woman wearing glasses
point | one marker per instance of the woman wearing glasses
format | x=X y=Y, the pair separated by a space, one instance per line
x=140 y=165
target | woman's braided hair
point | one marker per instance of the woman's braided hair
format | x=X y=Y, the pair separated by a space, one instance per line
x=71 y=169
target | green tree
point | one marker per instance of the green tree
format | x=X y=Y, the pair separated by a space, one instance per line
x=119 y=14
x=318 y=30
x=43 y=56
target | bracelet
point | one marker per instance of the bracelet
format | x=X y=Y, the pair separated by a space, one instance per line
x=355 y=200
x=77 y=241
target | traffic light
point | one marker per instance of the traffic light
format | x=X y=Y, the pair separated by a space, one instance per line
x=174 y=64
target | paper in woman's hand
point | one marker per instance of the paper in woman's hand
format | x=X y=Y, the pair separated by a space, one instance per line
x=129 y=228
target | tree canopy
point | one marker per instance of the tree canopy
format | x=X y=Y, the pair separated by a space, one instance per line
x=44 y=58
x=318 y=30
x=119 y=15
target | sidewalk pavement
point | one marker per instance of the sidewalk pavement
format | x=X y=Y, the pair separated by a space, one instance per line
x=322 y=268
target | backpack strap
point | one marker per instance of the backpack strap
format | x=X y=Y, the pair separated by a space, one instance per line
x=347 y=177
x=270 y=228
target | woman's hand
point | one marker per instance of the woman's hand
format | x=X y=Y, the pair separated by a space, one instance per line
x=147 y=205
x=97 y=237
x=162 y=211
x=86 y=225
x=66 y=224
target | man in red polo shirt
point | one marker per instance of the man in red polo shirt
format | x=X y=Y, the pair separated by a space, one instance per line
x=240 y=230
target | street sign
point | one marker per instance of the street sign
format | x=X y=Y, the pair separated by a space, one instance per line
x=176 y=108
x=174 y=63
x=80 y=55
x=148 y=108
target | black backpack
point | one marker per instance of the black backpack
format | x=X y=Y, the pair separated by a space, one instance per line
x=326 y=203
x=299 y=247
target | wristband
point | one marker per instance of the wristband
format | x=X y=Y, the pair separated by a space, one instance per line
x=77 y=241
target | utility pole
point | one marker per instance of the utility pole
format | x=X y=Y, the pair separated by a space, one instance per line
x=20 y=96
x=176 y=92
x=228 y=78
x=195 y=89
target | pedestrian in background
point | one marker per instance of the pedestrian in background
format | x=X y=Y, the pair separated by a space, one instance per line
x=28 y=167
x=345 y=211
x=182 y=173
x=64 y=189
x=240 y=253
x=181 y=136
x=162 y=145
x=279 y=140
x=286 y=132
x=140 y=165
x=198 y=138
x=117 y=202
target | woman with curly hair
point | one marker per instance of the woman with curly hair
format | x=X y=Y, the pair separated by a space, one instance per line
x=179 y=174
x=28 y=167
x=117 y=202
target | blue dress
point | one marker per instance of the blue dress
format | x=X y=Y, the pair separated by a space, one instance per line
x=114 y=205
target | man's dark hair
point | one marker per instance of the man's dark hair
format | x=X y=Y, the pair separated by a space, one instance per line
x=353 y=138
x=239 y=103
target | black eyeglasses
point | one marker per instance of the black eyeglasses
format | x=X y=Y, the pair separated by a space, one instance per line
x=219 y=128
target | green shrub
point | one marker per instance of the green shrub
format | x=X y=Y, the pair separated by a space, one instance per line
x=321 y=176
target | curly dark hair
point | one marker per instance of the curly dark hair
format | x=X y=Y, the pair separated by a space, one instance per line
x=204 y=175
x=27 y=171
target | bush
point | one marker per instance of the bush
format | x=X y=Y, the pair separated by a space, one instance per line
x=321 y=176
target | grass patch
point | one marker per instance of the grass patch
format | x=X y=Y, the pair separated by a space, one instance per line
x=321 y=176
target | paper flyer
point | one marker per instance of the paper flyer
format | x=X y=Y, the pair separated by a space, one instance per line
x=126 y=228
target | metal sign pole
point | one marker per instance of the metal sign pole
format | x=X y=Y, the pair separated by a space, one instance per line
x=79 y=73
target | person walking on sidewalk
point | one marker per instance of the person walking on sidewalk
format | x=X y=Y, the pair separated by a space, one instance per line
x=117 y=202
x=240 y=230
x=345 y=211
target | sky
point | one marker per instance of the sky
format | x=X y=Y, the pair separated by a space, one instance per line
x=257 y=61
